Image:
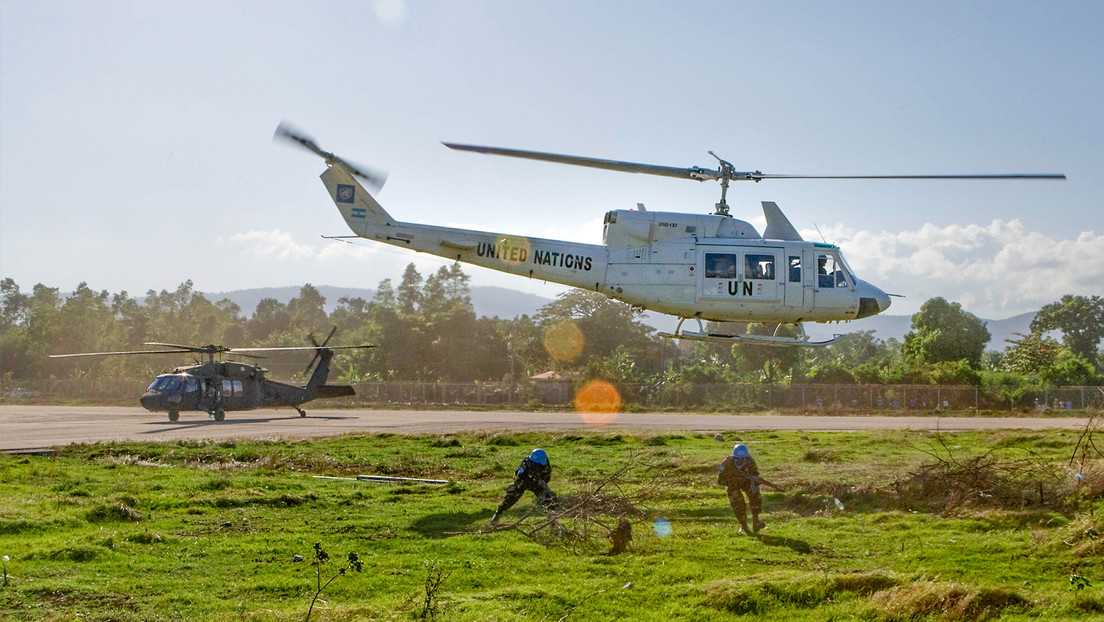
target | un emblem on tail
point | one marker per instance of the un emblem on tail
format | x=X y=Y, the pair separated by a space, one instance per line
x=345 y=193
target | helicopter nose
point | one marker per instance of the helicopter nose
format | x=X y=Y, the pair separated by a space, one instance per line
x=153 y=401
x=872 y=300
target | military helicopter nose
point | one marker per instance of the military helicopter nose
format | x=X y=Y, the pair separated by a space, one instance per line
x=872 y=300
x=153 y=401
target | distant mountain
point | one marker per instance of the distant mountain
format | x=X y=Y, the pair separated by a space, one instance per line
x=507 y=303
x=247 y=299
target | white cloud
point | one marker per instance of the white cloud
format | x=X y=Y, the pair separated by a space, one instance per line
x=995 y=271
x=282 y=246
x=275 y=244
x=391 y=13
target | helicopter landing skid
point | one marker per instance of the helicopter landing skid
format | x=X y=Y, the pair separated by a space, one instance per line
x=763 y=340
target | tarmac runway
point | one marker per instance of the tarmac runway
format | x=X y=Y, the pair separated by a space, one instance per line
x=28 y=428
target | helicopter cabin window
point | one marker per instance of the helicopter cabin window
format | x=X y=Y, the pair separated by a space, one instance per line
x=231 y=388
x=720 y=265
x=795 y=269
x=830 y=272
x=760 y=267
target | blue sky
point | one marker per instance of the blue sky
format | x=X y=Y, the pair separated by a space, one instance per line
x=136 y=151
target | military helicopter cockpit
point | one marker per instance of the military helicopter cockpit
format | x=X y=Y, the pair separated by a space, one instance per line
x=167 y=390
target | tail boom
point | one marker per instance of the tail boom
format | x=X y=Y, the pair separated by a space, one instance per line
x=567 y=263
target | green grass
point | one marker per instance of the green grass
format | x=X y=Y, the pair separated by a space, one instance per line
x=208 y=530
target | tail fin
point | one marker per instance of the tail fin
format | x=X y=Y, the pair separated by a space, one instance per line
x=321 y=372
x=357 y=207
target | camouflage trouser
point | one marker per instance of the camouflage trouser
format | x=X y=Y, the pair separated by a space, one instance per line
x=736 y=500
x=515 y=490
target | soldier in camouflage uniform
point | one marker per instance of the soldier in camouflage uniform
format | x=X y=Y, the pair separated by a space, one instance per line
x=740 y=475
x=532 y=475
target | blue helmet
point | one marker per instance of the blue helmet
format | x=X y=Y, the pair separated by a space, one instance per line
x=740 y=451
x=539 y=456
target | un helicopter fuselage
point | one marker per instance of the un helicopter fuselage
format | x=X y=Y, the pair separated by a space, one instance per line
x=702 y=266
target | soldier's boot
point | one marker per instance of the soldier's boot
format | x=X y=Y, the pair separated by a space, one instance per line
x=742 y=519
x=497 y=515
x=756 y=524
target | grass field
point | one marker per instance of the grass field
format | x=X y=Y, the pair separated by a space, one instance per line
x=963 y=526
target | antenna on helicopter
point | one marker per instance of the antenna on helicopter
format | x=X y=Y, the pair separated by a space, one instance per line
x=822 y=238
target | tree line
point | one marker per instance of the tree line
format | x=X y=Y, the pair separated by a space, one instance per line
x=426 y=329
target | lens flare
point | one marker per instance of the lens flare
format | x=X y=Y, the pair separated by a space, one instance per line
x=512 y=249
x=598 y=402
x=564 y=341
x=662 y=527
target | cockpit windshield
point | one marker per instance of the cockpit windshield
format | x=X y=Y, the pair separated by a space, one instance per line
x=167 y=382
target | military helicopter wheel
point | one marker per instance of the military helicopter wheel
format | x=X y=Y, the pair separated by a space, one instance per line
x=302 y=413
x=174 y=415
x=220 y=414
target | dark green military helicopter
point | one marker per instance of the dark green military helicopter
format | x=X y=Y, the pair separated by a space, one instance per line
x=220 y=386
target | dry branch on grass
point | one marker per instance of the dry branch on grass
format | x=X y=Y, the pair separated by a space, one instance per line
x=1013 y=479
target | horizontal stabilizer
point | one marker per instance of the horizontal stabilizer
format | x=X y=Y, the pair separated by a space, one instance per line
x=327 y=391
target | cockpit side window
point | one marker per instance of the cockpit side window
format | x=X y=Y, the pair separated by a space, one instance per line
x=830 y=272
x=759 y=267
x=191 y=385
x=720 y=265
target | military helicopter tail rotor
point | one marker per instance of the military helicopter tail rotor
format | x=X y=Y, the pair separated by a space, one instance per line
x=318 y=351
x=373 y=178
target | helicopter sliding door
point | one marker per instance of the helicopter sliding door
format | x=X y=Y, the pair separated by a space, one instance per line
x=742 y=275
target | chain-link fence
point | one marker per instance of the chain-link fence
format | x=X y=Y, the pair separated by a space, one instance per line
x=656 y=395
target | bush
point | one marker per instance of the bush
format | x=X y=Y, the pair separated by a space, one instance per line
x=830 y=374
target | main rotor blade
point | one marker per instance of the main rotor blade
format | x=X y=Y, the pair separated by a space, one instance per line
x=758 y=176
x=62 y=356
x=372 y=177
x=276 y=349
x=702 y=174
x=695 y=172
x=175 y=345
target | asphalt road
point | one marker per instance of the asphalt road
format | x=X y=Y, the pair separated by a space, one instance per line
x=39 y=427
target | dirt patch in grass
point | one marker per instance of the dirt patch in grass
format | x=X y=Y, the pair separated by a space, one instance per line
x=74 y=598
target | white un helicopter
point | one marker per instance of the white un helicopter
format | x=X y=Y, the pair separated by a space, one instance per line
x=709 y=267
